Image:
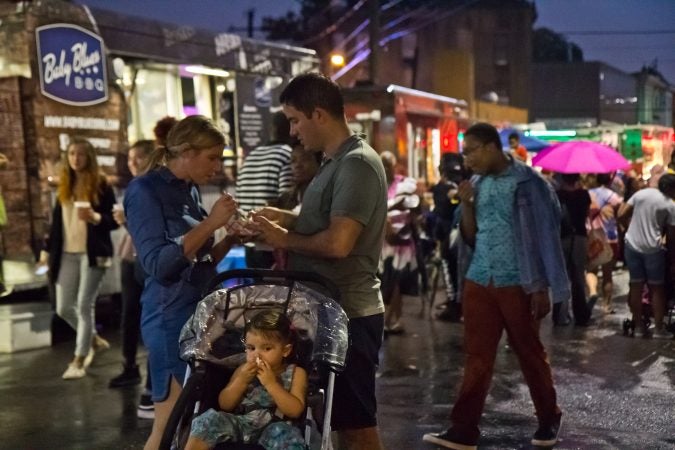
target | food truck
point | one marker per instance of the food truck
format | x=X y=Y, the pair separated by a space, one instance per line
x=417 y=126
x=68 y=70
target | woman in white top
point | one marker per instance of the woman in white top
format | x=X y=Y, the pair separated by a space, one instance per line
x=80 y=248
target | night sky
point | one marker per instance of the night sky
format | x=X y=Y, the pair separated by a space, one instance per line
x=614 y=23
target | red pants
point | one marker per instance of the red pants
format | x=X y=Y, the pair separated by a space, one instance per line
x=487 y=312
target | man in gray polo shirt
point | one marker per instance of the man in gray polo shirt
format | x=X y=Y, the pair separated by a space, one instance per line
x=338 y=234
x=651 y=213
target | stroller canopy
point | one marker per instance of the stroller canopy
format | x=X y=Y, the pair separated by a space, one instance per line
x=215 y=330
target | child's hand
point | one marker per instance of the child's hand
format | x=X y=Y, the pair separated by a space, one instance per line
x=248 y=371
x=265 y=374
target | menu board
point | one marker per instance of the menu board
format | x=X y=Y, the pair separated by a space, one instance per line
x=257 y=97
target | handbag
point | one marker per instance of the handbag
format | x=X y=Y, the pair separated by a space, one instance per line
x=598 y=250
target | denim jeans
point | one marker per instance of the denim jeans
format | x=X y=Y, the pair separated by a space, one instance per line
x=488 y=311
x=76 y=291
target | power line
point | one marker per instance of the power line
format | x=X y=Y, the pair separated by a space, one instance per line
x=605 y=32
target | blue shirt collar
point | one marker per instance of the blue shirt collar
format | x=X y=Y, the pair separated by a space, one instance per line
x=168 y=176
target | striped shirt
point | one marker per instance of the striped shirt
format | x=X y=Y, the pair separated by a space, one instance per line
x=266 y=172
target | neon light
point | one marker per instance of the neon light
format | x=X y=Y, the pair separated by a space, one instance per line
x=404 y=90
x=554 y=133
x=201 y=70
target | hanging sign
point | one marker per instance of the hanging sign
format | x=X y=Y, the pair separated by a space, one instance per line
x=72 y=64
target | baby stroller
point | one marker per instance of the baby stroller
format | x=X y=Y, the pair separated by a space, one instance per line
x=211 y=343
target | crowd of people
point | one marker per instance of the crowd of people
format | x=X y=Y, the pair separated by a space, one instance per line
x=513 y=247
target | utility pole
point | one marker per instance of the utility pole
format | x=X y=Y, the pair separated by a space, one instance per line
x=374 y=34
x=250 y=13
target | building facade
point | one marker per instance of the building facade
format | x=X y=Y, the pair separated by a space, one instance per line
x=67 y=70
x=581 y=93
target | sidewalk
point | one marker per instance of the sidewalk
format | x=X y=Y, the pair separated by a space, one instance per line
x=616 y=392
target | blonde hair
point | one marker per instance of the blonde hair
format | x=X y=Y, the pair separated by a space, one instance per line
x=193 y=132
x=145 y=147
x=90 y=179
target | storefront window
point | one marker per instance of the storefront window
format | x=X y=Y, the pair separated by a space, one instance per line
x=154 y=94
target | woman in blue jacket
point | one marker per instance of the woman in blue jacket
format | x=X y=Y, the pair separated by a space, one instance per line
x=175 y=246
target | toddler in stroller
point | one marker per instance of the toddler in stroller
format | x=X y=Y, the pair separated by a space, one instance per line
x=259 y=349
x=265 y=382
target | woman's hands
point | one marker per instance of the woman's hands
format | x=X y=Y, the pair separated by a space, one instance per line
x=223 y=210
x=119 y=216
x=88 y=214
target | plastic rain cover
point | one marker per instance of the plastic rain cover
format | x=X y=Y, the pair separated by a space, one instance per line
x=214 y=332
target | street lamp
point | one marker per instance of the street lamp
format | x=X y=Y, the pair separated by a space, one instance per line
x=337 y=60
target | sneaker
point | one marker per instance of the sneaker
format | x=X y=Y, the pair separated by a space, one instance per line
x=450 y=439
x=547 y=435
x=452 y=313
x=146 y=408
x=396 y=328
x=661 y=333
x=5 y=290
x=73 y=372
x=130 y=376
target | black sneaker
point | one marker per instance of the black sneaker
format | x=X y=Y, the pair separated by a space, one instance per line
x=452 y=313
x=450 y=439
x=146 y=408
x=130 y=376
x=547 y=435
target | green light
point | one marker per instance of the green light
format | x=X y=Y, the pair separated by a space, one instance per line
x=553 y=133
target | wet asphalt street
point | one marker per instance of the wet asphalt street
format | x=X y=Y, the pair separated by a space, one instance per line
x=615 y=392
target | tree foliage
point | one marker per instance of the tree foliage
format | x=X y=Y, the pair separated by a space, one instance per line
x=549 y=46
x=313 y=16
x=318 y=16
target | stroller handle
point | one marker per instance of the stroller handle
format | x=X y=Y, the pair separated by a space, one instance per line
x=262 y=275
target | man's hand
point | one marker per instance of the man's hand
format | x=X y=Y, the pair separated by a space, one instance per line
x=465 y=192
x=270 y=232
x=540 y=304
x=268 y=212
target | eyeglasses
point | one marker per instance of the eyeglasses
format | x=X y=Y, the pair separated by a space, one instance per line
x=469 y=150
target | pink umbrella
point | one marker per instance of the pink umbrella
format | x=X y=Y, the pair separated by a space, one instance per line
x=580 y=157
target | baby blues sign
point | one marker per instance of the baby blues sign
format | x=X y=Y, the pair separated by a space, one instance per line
x=72 y=64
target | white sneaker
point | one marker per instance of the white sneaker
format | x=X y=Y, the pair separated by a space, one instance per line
x=661 y=333
x=146 y=408
x=73 y=372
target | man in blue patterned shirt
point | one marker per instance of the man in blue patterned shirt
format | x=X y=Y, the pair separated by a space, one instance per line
x=511 y=217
